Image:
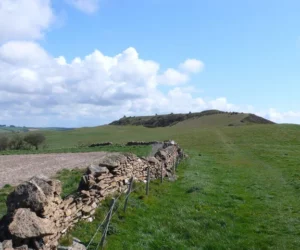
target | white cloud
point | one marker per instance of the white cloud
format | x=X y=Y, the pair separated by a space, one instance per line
x=38 y=89
x=222 y=104
x=87 y=6
x=23 y=53
x=172 y=77
x=192 y=66
x=24 y=19
x=282 y=117
x=89 y=90
x=176 y=77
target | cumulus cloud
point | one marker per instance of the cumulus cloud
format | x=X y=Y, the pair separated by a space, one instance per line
x=191 y=66
x=24 y=19
x=87 y=6
x=282 y=117
x=172 y=77
x=91 y=90
x=38 y=89
x=182 y=74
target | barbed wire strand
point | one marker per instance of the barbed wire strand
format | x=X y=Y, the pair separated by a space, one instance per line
x=97 y=230
x=105 y=218
x=116 y=199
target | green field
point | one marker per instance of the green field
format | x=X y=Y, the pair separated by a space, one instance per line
x=138 y=150
x=239 y=189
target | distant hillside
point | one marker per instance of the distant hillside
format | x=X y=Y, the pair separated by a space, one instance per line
x=208 y=117
x=51 y=128
x=12 y=129
x=16 y=129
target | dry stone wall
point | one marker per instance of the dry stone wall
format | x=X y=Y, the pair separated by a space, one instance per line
x=37 y=216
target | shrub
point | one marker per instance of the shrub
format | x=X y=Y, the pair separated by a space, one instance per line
x=16 y=142
x=35 y=139
x=3 y=142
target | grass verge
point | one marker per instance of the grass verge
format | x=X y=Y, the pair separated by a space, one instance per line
x=4 y=192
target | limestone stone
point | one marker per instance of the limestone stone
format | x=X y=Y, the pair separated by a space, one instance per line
x=87 y=209
x=85 y=193
x=113 y=184
x=90 y=219
x=68 y=201
x=97 y=170
x=7 y=244
x=27 y=224
x=119 y=178
x=68 y=212
x=24 y=247
x=94 y=205
x=73 y=210
x=103 y=185
x=27 y=195
x=75 y=246
x=113 y=161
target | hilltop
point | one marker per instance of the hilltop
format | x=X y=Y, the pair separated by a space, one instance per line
x=208 y=117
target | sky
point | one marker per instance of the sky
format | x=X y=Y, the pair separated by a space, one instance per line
x=74 y=63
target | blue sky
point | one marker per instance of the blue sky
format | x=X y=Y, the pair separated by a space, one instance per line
x=174 y=56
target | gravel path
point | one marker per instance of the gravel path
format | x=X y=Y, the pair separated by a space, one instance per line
x=15 y=169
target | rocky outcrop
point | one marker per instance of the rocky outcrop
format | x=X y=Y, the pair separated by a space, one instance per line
x=37 y=215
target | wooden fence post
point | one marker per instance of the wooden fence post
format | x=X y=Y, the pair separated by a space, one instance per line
x=161 y=172
x=148 y=181
x=174 y=167
x=128 y=193
x=101 y=243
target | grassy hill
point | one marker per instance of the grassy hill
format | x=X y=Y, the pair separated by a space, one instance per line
x=212 y=117
x=239 y=189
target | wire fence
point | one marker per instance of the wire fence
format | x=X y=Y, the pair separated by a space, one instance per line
x=114 y=208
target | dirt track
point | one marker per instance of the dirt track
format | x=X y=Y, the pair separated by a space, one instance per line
x=17 y=168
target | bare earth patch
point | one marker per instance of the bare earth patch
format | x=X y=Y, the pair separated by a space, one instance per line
x=15 y=169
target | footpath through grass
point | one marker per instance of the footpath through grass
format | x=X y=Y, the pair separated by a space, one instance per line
x=238 y=190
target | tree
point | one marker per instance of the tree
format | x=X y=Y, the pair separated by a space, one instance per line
x=3 y=142
x=35 y=139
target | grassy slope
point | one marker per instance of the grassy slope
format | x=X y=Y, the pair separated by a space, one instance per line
x=172 y=119
x=212 y=121
x=247 y=184
x=238 y=190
